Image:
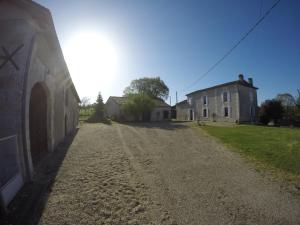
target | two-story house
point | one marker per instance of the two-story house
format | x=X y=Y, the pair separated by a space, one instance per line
x=234 y=101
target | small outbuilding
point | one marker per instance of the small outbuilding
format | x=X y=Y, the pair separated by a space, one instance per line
x=113 y=107
x=38 y=101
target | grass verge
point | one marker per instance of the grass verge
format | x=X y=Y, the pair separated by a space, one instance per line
x=272 y=147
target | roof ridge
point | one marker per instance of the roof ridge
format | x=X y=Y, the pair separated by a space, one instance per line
x=244 y=83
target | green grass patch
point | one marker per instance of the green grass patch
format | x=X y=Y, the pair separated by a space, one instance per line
x=274 y=146
x=85 y=114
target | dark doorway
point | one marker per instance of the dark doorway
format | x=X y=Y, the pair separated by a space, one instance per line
x=38 y=122
x=166 y=114
x=146 y=116
x=191 y=114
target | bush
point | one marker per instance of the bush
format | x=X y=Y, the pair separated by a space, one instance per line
x=138 y=106
x=271 y=110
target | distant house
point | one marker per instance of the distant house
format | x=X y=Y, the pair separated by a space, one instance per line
x=113 y=107
x=235 y=101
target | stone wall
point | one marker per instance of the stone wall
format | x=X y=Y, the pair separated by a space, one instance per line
x=30 y=56
x=215 y=104
x=247 y=104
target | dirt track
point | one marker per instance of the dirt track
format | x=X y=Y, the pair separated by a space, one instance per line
x=161 y=174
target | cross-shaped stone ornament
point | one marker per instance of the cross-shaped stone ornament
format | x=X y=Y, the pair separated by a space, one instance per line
x=8 y=57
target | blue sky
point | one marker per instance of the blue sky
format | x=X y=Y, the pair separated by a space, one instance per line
x=180 y=40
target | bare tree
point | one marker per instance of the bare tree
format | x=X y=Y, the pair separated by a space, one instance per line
x=85 y=101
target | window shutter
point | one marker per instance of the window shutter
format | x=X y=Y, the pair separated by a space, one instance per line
x=229 y=96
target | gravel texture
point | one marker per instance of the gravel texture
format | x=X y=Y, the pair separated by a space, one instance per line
x=162 y=173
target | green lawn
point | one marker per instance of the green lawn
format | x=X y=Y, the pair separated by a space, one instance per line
x=276 y=147
x=85 y=114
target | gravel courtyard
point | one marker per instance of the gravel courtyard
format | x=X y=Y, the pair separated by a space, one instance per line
x=162 y=174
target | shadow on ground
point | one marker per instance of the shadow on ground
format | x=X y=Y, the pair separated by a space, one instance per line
x=165 y=125
x=28 y=205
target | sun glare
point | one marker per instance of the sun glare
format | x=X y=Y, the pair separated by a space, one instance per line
x=93 y=61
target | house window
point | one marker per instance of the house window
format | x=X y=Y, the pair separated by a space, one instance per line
x=225 y=96
x=205 y=113
x=226 y=112
x=190 y=101
x=204 y=100
x=166 y=114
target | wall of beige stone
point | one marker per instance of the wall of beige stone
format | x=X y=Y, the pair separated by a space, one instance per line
x=238 y=103
x=182 y=112
x=112 y=109
x=39 y=60
x=157 y=114
x=215 y=104
x=247 y=104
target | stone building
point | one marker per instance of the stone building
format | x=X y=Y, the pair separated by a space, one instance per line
x=38 y=101
x=113 y=107
x=229 y=102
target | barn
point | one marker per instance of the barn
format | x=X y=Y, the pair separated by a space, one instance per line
x=38 y=100
x=113 y=108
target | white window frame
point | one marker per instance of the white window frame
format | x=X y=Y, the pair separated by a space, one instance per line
x=227 y=95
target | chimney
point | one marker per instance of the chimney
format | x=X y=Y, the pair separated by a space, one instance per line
x=241 y=77
x=250 y=81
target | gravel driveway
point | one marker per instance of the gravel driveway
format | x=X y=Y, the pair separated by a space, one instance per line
x=162 y=174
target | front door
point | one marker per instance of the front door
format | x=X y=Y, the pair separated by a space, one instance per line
x=191 y=114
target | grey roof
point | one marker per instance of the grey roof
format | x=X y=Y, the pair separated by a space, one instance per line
x=118 y=100
x=122 y=100
x=182 y=102
x=238 y=82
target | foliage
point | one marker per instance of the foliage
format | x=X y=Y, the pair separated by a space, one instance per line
x=286 y=99
x=99 y=110
x=139 y=106
x=297 y=99
x=153 y=87
x=271 y=110
x=276 y=147
x=86 y=113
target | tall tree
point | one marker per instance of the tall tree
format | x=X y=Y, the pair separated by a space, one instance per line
x=297 y=99
x=85 y=101
x=271 y=110
x=286 y=99
x=99 y=107
x=289 y=105
x=138 y=106
x=154 y=87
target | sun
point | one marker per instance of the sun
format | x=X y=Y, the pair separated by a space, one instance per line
x=92 y=60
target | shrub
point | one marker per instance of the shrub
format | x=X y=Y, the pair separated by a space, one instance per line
x=271 y=110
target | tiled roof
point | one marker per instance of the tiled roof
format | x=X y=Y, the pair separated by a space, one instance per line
x=182 y=102
x=121 y=100
x=239 y=82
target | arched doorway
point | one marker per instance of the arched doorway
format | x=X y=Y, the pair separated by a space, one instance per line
x=38 y=122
